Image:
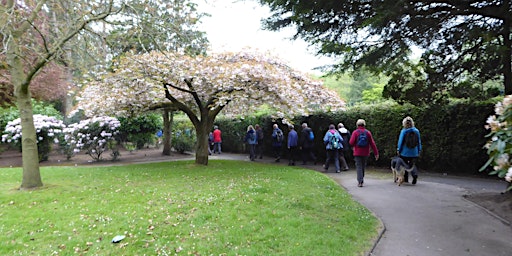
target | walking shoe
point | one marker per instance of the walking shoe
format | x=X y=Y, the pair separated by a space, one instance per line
x=414 y=179
x=338 y=171
x=360 y=184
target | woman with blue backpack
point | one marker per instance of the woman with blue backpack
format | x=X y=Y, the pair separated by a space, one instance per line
x=361 y=142
x=333 y=143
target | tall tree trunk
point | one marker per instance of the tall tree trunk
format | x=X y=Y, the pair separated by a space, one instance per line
x=168 y=117
x=202 y=132
x=30 y=157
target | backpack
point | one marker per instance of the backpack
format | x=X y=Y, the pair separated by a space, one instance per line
x=252 y=137
x=311 y=135
x=279 y=136
x=411 y=139
x=362 y=139
x=335 y=142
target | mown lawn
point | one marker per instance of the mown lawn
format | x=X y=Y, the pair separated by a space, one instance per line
x=179 y=208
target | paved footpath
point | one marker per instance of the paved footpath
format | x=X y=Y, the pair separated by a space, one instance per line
x=430 y=218
x=427 y=219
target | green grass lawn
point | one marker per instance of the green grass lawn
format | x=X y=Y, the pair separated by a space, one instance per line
x=179 y=208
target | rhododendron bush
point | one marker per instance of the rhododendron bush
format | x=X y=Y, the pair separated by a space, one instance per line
x=204 y=86
x=94 y=136
x=47 y=131
x=499 y=146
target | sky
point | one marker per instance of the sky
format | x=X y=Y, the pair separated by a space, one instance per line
x=234 y=25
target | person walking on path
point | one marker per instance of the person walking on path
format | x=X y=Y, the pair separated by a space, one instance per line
x=361 y=141
x=306 y=144
x=277 y=142
x=409 y=147
x=333 y=145
x=293 y=143
x=259 y=147
x=252 y=139
x=345 y=150
x=217 y=140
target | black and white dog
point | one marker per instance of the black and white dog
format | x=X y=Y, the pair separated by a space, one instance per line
x=399 y=167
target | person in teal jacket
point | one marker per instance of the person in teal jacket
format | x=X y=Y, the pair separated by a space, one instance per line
x=409 y=146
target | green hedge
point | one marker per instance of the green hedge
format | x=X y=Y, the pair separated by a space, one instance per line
x=453 y=135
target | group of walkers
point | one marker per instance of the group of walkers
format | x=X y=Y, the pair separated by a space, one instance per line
x=339 y=143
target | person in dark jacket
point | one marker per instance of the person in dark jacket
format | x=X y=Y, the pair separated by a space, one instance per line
x=252 y=140
x=306 y=144
x=259 y=146
x=409 y=153
x=293 y=144
x=277 y=142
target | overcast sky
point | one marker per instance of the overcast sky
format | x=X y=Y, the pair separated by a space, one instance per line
x=234 y=25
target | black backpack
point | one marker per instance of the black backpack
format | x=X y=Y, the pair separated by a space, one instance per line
x=411 y=139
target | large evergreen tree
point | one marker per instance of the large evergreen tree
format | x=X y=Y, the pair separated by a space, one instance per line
x=459 y=37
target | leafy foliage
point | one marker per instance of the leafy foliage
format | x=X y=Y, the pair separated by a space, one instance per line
x=157 y=25
x=139 y=130
x=458 y=37
x=500 y=140
x=184 y=137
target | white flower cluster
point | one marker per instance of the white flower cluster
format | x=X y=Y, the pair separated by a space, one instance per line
x=499 y=147
x=91 y=135
x=47 y=127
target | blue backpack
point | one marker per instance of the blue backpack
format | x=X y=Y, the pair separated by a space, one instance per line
x=335 y=143
x=362 y=139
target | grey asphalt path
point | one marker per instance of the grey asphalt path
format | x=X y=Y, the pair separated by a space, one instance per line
x=427 y=219
x=431 y=218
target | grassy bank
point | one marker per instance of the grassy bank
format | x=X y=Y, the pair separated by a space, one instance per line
x=225 y=208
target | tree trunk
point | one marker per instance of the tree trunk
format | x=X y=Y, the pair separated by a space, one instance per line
x=30 y=158
x=202 y=132
x=168 y=117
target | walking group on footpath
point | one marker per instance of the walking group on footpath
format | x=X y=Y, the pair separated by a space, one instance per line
x=340 y=145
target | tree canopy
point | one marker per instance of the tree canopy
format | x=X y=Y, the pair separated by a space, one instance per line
x=459 y=38
x=203 y=86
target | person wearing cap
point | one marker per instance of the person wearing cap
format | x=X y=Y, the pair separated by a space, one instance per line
x=362 y=150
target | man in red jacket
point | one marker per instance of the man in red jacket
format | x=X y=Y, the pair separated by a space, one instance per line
x=361 y=141
x=217 y=140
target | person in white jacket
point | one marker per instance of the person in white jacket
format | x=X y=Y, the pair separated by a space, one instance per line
x=345 y=134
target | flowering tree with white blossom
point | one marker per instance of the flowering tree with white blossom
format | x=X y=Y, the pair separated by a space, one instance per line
x=499 y=147
x=203 y=86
